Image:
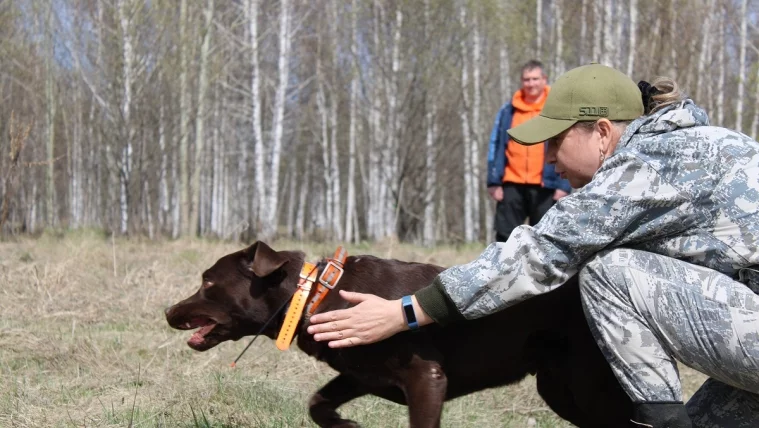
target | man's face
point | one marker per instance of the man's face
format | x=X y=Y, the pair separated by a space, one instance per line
x=533 y=83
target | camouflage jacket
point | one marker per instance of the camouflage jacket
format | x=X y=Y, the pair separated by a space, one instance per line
x=674 y=186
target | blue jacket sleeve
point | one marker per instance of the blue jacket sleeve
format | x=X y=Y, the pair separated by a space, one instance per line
x=497 y=146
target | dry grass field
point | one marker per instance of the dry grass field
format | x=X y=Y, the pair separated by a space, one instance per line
x=83 y=343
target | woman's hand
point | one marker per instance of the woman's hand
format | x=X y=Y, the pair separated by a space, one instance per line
x=371 y=320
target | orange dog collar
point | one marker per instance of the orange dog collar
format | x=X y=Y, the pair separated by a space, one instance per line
x=329 y=278
x=298 y=303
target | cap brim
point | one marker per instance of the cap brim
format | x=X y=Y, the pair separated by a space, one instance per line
x=539 y=129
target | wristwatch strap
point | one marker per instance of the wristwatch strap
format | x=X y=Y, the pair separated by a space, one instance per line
x=408 y=312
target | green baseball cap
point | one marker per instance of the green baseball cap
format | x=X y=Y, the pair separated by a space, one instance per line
x=586 y=93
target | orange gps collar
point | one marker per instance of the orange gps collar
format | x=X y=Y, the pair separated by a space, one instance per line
x=328 y=279
x=297 y=304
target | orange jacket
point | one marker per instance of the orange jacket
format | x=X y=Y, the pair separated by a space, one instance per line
x=525 y=163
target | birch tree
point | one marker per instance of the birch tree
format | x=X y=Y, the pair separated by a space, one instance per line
x=51 y=101
x=178 y=118
x=269 y=219
x=538 y=28
x=128 y=131
x=607 y=57
x=755 y=120
x=469 y=179
x=428 y=234
x=703 y=58
x=597 y=30
x=185 y=224
x=558 y=64
x=259 y=198
x=327 y=107
x=351 y=234
x=719 y=105
x=584 y=32
x=200 y=137
x=633 y=12
x=741 y=66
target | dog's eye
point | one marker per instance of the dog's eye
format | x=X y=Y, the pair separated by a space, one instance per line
x=207 y=284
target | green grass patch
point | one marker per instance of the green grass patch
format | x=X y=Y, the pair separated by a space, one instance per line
x=84 y=343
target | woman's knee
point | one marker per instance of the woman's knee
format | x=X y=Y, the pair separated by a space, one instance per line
x=606 y=268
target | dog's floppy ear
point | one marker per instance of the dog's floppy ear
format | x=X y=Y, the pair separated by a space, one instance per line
x=262 y=260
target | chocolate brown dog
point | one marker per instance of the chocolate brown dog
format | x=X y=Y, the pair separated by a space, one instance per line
x=546 y=336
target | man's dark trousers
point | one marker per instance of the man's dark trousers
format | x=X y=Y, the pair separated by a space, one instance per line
x=519 y=202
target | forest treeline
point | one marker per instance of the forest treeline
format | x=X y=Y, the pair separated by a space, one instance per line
x=321 y=119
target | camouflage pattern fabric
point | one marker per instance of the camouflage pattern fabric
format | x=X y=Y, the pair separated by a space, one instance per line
x=674 y=187
x=647 y=310
x=716 y=405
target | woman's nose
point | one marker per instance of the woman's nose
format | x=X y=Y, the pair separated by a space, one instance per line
x=551 y=154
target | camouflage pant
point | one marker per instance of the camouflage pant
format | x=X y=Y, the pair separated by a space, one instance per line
x=647 y=310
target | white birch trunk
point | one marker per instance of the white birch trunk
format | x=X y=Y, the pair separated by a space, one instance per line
x=259 y=198
x=504 y=79
x=184 y=112
x=428 y=236
x=300 y=216
x=148 y=209
x=617 y=47
x=93 y=189
x=217 y=204
x=720 y=103
x=50 y=102
x=195 y=223
x=755 y=120
x=607 y=58
x=269 y=225
x=391 y=189
x=706 y=38
x=324 y=121
x=329 y=212
x=474 y=148
x=223 y=171
x=741 y=67
x=292 y=178
x=350 y=200
x=430 y=166
x=163 y=186
x=374 y=207
x=597 y=31
x=126 y=111
x=538 y=28
x=334 y=167
x=558 y=66
x=466 y=134
x=674 y=44
x=584 y=32
x=632 y=39
x=176 y=224
x=75 y=163
x=654 y=56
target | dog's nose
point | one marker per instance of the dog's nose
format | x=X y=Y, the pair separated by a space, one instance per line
x=167 y=310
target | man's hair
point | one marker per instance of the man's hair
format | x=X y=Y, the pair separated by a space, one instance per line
x=531 y=65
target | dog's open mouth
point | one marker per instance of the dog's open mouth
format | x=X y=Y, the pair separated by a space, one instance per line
x=204 y=326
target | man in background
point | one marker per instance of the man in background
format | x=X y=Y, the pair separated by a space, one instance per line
x=519 y=179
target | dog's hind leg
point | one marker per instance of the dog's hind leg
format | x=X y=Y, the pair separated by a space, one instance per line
x=323 y=405
x=424 y=384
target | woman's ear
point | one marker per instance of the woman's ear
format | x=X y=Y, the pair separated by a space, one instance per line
x=605 y=130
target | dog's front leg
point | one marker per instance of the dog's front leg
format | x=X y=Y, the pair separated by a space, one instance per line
x=425 y=387
x=323 y=405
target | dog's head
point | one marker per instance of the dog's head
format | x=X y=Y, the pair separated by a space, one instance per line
x=238 y=294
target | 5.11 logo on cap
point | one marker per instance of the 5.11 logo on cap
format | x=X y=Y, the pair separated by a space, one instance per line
x=594 y=111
